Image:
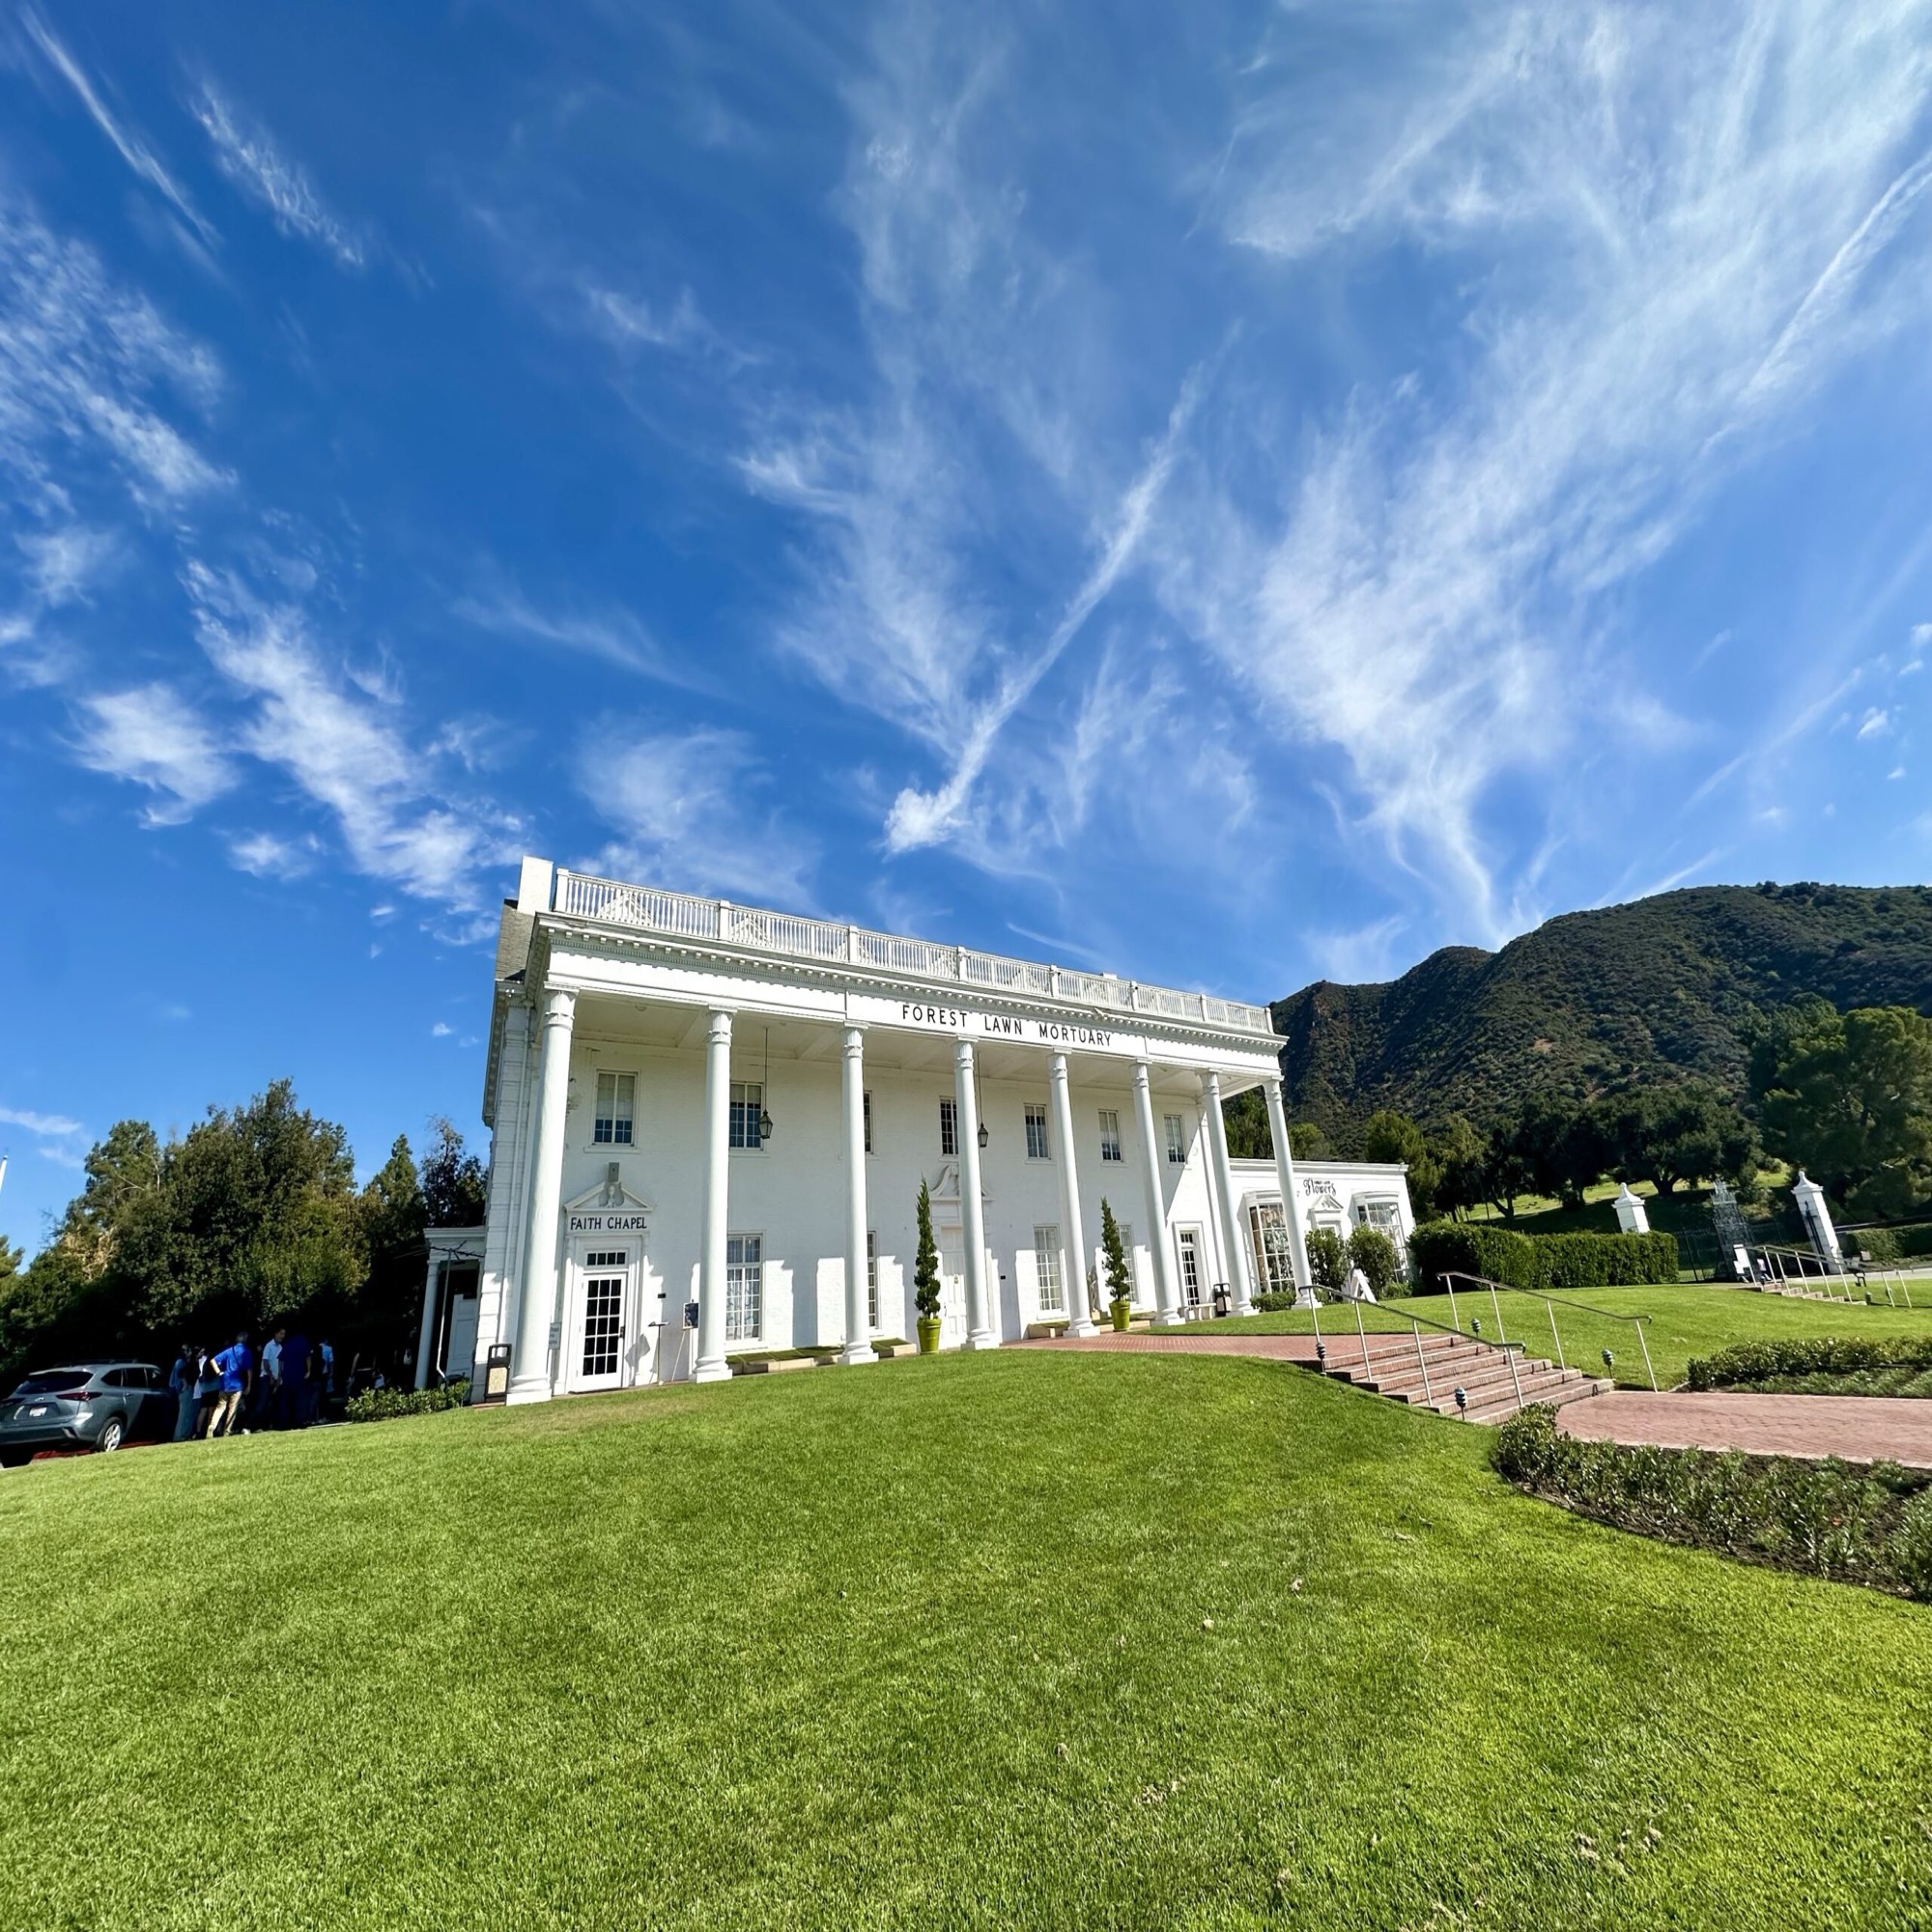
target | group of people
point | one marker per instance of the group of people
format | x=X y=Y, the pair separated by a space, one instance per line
x=230 y=1392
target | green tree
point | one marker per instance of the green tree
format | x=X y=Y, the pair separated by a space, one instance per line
x=455 y=1189
x=1508 y=1168
x=1305 y=1141
x=1328 y=1260
x=256 y=1214
x=1119 y=1282
x=1681 y=1133
x=1390 y=1136
x=1849 y=1098
x=1374 y=1253
x=925 y=1263
x=1458 y=1153
x=1246 y=1120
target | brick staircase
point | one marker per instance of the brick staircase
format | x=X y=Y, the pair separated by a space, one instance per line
x=1479 y=1369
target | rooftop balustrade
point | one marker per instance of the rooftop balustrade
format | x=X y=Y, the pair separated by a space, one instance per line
x=787 y=936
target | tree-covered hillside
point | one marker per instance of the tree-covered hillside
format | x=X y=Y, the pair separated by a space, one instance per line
x=1660 y=989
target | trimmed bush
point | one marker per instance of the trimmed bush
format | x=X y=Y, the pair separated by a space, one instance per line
x=1877 y=1245
x=1328 y=1260
x=1374 y=1253
x=1753 y=1362
x=1535 y=1262
x=386 y=1405
x=1858 y=1525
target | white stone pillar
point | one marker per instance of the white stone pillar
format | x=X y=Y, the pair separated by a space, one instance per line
x=715 y=1210
x=857 y=1324
x=430 y=1298
x=531 y=1376
x=1072 y=1231
x=1165 y=1300
x=972 y=1205
x=1233 y=1243
x=1816 y=1214
x=1291 y=1204
x=1632 y=1218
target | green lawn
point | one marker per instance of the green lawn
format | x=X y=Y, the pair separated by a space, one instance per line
x=1685 y=1321
x=926 y=1644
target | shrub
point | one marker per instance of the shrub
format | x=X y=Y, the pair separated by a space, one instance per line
x=1878 y=1245
x=1540 y=1260
x=1374 y=1253
x=1120 y=1282
x=1274 y=1301
x=1328 y=1260
x=1749 y=1362
x=1859 y=1525
x=387 y=1403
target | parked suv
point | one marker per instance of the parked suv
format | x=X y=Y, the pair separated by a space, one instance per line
x=90 y=1406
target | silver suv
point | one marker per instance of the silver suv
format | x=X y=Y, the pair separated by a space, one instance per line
x=90 y=1406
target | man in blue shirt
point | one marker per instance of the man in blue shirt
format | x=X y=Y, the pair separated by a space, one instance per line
x=237 y=1366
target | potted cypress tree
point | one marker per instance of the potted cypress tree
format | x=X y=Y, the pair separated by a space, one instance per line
x=1120 y=1282
x=926 y=1278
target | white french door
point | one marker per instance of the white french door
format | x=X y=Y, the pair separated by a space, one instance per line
x=600 y=1336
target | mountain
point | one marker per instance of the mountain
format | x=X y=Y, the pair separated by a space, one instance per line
x=1657 y=988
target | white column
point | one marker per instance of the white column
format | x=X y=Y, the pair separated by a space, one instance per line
x=529 y=1366
x=715 y=1211
x=1072 y=1233
x=1291 y=1204
x=435 y=1264
x=858 y=1326
x=971 y=1208
x=1235 y=1248
x=1164 y=1300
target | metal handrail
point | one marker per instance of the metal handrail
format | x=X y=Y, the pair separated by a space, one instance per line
x=1549 y=1299
x=1509 y=1351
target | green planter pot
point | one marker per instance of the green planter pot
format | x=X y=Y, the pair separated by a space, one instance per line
x=928 y=1334
x=1122 y=1312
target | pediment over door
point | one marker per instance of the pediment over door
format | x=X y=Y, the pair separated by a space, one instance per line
x=945 y=1190
x=608 y=1209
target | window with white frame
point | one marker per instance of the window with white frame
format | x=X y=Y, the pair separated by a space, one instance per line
x=869 y=1123
x=1110 y=1134
x=1046 y=1270
x=873 y=1277
x=616 y=1102
x=1035 y=1133
x=748 y=1105
x=744 y=1286
x=1176 y=1139
x=1268 y=1229
x=949 y=1128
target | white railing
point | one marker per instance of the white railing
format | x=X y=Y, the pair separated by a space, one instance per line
x=683 y=916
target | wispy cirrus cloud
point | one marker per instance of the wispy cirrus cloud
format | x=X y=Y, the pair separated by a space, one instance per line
x=1654 y=239
x=84 y=361
x=346 y=749
x=246 y=152
x=604 y=632
x=131 y=147
x=151 y=737
x=692 y=809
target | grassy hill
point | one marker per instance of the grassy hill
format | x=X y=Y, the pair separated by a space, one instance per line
x=1659 y=987
x=927 y=1644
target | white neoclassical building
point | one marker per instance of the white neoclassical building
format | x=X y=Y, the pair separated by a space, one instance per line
x=710 y=1123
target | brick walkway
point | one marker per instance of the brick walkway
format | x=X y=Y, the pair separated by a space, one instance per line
x=1860 y=1427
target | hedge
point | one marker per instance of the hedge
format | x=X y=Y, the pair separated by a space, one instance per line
x=1883 y=1245
x=1831 y=1519
x=1750 y=1362
x=1538 y=1260
x=384 y=1405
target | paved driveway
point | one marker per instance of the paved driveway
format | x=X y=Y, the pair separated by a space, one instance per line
x=1860 y=1427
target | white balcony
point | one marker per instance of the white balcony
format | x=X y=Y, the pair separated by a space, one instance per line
x=787 y=936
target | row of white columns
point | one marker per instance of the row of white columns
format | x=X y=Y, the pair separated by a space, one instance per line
x=531 y=1379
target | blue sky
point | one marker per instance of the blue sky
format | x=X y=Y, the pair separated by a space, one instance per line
x=1231 y=492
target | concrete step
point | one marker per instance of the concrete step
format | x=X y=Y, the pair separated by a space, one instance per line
x=1493 y=1387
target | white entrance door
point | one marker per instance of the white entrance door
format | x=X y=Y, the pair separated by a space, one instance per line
x=951 y=1287
x=600 y=1337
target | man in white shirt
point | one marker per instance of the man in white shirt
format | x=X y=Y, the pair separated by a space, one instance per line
x=269 y=1400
